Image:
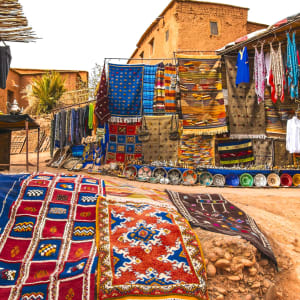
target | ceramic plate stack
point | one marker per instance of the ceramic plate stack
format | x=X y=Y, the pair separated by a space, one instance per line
x=246 y=180
x=175 y=176
x=130 y=172
x=189 y=177
x=273 y=180
x=286 y=180
x=218 y=180
x=205 y=178
x=296 y=179
x=232 y=180
x=260 y=180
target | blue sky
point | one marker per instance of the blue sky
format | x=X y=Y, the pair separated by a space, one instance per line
x=77 y=34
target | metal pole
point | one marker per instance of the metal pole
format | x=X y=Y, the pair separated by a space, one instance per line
x=38 y=152
x=26 y=128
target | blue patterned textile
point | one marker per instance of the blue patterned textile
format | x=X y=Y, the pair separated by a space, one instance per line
x=125 y=89
x=148 y=88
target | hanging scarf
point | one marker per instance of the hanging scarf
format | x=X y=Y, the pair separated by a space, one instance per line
x=292 y=67
x=62 y=129
x=101 y=107
x=91 y=113
x=259 y=74
x=276 y=79
x=159 y=89
x=68 y=139
x=52 y=136
x=72 y=129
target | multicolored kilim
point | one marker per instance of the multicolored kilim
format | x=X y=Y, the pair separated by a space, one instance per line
x=235 y=152
x=214 y=213
x=148 y=88
x=197 y=150
x=170 y=89
x=159 y=89
x=125 y=90
x=47 y=247
x=147 y=251
x=202 y=100
x=123 y=144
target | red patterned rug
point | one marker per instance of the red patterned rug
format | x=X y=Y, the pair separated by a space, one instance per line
x=47 y=246
x=147 y=251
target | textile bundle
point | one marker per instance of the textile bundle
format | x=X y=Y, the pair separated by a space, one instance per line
x=125 y=90
x=159 y=146
x=48 y=250
x=235 y=152
x=147 y=251
x=148 y=88
x=197 y=150
x=202 y=100
x=263 y=152
x=123 y=145
x=214 y=213
x=246 y=116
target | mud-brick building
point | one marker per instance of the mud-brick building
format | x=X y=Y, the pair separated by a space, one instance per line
x=187 y=25
x=19 y=79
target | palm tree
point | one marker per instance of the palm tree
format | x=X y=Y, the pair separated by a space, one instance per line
x=48 y=89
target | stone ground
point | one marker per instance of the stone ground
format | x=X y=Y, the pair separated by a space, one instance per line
x=235 y=268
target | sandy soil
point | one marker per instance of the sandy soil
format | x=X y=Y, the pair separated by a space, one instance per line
x=275 y=210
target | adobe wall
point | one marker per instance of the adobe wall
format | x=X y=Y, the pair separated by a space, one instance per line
x=194 y=25
x=162 y=48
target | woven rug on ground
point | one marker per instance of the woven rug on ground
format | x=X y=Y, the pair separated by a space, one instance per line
x=147 y=252
x=235 y=152
x=202 y=101
x=214 y=213
x=159 y=147
x=277 y=115
x=246 y=116
x=47 y=248
x=148 y=88
x=123 y=145
x=282 y=158
x=263 y=152
x=197 y=150
x=125 y=90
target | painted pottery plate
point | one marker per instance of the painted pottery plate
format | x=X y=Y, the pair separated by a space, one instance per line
x=218 y=180
x=286 y=179
x=273 y=180
x=205 y=178
x=144 y=172
x=232 y=179
x=189 y=177
x=296 y=179
x=246 y=180
x=130 y=172
x=260 y=180
x=175 y=176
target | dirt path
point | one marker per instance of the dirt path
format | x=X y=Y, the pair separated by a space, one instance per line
x=275 y=210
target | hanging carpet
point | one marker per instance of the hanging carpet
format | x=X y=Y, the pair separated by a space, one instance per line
x=263 y=152
x=202 y=101
x=246 y=116
x=123 y=145
x=125 y=90
x=170 y=88
x=147 y=252
x=233 y=152
x=47 y=246
x=197 y=150
x=159 y=146
x=148 y=88
x=282 y=158
x=214 y=213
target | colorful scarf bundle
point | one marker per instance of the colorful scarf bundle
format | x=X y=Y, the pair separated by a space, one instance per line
x=235 y=152
x=159 y=89
x=148 y=88
x=125 y=90
x=123 y=145
x=202 y=101
x=101 y=107
x=214 y=213
x=170 y=88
